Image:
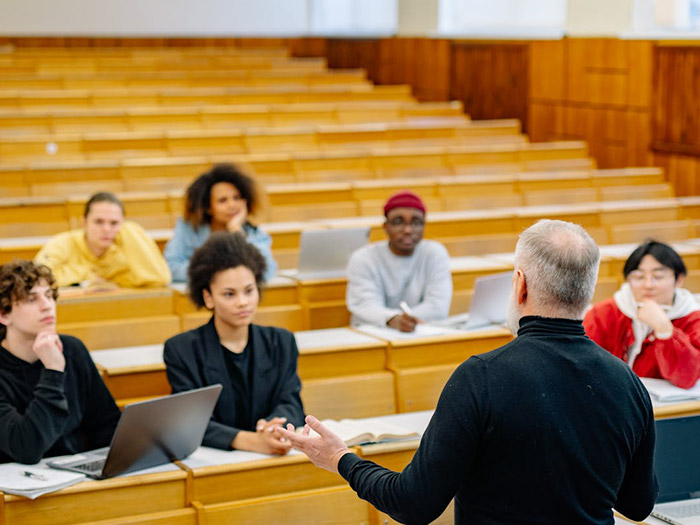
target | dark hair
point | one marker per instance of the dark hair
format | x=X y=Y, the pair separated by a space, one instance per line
x=17 y=278
x=198 y=195
x=663 y=253
x=221 y=251
x=102 y=196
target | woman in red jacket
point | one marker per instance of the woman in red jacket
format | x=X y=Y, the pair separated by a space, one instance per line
x=651 y=322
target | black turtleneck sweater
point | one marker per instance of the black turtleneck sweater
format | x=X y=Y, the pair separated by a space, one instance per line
x=47 y=413
x=549 y=428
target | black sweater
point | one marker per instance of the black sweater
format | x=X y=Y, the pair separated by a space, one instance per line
x=47 y=413
x=549 y=428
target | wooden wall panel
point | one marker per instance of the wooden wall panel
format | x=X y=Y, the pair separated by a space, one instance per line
x=676 y=105
x=353 y=53
x=545 y=122
x=491 y=79
x=597 y=90
x=675 y=115
x=547 y=73
x=422 y=63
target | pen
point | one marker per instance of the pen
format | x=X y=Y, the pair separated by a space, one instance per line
x=34 y=475
x=405 y=308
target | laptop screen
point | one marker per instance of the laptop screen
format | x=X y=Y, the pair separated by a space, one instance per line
x=677 y=458
x=328 y=251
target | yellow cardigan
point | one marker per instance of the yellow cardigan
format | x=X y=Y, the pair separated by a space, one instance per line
x=132 y=261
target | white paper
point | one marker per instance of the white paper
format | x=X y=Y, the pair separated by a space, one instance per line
x=663 y=390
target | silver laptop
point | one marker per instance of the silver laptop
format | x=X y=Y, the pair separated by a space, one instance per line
x=149 y=433
x=325 y=253
x=677 y=464
x=489 y=304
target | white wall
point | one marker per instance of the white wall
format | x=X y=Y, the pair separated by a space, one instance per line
x=600 y=17
x=418 y=17
x=494 y=16
x=154 y=17
x=353 y=17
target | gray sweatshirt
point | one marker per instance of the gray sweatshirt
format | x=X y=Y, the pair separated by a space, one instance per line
x=379 y=280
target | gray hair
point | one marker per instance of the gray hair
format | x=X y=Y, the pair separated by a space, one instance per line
x=560 y=261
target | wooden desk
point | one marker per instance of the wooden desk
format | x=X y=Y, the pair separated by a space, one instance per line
x=222 y=476
x=134 y=372
x=676 y=409
x=344 y=374
x=132 y=498
x=245 y=487
x=125 y=317
x=422 y=365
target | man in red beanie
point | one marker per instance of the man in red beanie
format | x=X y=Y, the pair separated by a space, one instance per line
x=407 y=270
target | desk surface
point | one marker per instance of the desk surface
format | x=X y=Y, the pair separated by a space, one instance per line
x=152 y=490
x=317 y=341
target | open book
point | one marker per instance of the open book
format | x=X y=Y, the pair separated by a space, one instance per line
x=32 y=481
x=355 y=432
x=662 y=390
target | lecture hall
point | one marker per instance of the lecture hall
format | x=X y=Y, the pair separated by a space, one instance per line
x=313 y=204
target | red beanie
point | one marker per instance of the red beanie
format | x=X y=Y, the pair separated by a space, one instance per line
x=404 y=199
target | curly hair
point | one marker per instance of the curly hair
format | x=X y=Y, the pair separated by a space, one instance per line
x=222 y=251
x=198 y=194
x=17 y=278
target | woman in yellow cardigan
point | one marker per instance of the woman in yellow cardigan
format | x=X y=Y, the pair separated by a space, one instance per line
x=107 y=252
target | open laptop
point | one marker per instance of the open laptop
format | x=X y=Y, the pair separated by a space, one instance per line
x=325 y=253
x=489 y=304
x=149 y=433
x=677 y=464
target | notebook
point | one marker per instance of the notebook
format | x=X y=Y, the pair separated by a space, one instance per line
x=325 y=253
x=677 y=461
x=489 y=304
x=149 y=433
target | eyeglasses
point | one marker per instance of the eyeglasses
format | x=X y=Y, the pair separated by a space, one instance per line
x=398 y=222
x=637 y=278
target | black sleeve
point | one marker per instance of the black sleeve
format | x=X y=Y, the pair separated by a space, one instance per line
x=639 y=488
x=182 y=379
x=26 y=437
x=447 y=450
x=101 y=412
x=288 y=403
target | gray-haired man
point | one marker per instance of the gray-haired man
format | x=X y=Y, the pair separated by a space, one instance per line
x=549 y=428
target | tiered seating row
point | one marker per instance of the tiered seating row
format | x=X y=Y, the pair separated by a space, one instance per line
x=115 y=98
x=165 y=173
x=38 y=66
x=183 y=79
x=38 y=121
x=129 y=144
x=309 y=201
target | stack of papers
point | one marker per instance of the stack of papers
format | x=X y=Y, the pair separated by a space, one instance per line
x=662 y=390
x=32 y=481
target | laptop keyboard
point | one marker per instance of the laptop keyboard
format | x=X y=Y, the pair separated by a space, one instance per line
x=92 y=466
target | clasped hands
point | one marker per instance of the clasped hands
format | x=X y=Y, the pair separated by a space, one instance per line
x=267 y=438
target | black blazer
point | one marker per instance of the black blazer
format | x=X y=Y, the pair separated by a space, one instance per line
x=194 y=359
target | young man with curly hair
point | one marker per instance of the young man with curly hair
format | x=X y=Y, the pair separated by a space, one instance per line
x=52 y=398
